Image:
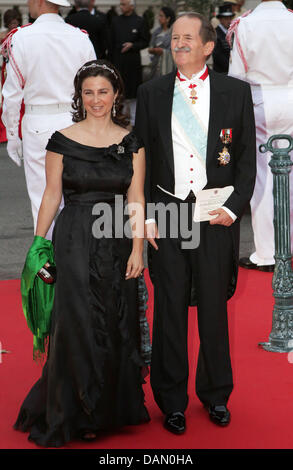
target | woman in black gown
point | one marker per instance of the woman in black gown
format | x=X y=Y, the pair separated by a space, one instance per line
x=92 y=379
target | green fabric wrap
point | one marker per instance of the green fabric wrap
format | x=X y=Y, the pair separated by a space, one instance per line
x=37 y=296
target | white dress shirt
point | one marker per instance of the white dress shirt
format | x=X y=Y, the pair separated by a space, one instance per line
x=188 y=167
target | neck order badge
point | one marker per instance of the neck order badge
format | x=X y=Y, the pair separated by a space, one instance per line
x=192 y=86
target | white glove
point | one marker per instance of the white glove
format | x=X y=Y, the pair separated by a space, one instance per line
x=14 y=149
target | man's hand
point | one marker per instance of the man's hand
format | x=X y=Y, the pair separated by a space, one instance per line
x=14 y=149
x=126 y=46
x=151 y=232
x=223 y=218
x=156 y=50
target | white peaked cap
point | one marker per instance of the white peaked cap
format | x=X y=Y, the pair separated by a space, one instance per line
x=62 y=3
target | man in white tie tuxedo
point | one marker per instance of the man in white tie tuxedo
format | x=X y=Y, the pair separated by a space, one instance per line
x=198 y=131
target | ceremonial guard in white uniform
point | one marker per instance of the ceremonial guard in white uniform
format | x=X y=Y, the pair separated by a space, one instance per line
x=262 y=55
x=43 y=59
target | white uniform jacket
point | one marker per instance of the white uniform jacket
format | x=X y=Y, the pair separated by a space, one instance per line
x=48 y=54
x=265 y=60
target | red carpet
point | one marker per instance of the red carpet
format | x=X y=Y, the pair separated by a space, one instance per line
x=261 y=404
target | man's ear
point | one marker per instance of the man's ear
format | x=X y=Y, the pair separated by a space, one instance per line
x=208 y=48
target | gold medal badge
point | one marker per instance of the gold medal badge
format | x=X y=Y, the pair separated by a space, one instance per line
x=193 y=93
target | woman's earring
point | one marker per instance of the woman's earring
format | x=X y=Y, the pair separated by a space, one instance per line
x=83 y=112
x=114 y=109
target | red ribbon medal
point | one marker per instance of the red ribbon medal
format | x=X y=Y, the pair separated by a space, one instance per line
x=193 y=92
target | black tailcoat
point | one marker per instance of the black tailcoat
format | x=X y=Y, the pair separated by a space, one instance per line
x=214 y=265
x=230 y=107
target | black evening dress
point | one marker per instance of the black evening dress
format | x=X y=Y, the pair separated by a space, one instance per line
x=92 y=379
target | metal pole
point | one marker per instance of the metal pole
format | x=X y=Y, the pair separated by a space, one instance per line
x=281 y=336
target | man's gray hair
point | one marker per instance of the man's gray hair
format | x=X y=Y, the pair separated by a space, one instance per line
x=207 y=32
x=82 y=3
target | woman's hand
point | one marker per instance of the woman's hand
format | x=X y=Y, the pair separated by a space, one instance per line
x=135 y=265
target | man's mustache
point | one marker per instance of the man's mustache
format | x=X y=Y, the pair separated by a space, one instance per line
x=182 y=49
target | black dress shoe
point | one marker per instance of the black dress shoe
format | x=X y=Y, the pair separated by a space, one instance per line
x=175 y=422
x=88 y=436
x=247 y=264
x=219 y=414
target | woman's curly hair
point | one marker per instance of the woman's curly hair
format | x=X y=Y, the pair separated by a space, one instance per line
x=113 y=76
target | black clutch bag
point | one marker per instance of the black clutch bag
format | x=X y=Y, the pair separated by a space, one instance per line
x=48 y=274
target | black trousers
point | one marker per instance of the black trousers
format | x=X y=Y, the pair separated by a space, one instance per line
x=173 y=265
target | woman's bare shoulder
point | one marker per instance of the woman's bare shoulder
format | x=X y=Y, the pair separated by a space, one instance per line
x=122 y=132
x=70 y=131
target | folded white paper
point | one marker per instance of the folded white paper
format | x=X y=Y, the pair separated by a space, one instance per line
x=208 y=200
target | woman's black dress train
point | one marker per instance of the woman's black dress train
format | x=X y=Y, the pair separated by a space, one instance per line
x=92 y=379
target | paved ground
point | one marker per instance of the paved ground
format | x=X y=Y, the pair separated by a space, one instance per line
x=16 y=225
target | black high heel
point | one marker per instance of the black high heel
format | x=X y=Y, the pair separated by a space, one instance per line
x=88 y=436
